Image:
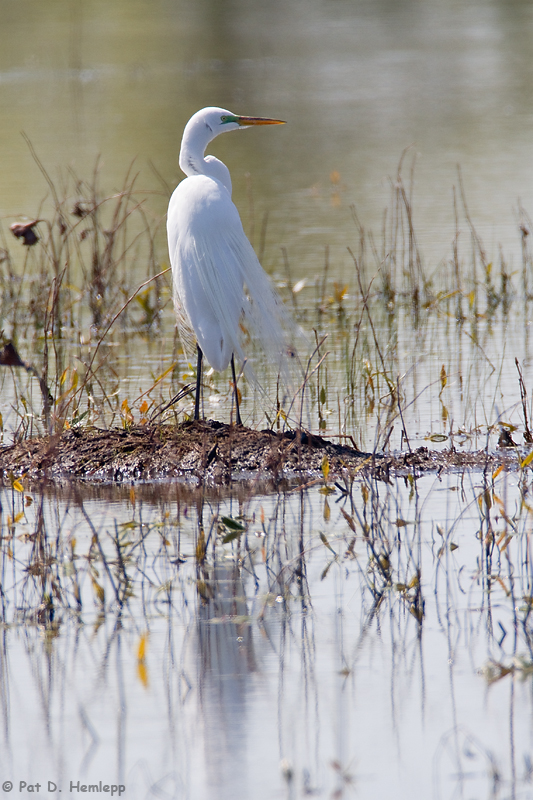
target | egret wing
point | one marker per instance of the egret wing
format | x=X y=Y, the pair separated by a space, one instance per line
x=219 y=283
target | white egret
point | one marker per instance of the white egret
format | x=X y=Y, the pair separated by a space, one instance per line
x=219 y=285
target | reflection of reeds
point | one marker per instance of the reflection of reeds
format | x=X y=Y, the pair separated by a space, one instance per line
x=247 y=580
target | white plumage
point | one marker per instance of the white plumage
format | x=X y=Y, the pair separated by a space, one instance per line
x=219 y=284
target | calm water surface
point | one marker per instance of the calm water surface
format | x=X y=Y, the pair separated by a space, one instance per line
x=289 y=664
x=358 y=82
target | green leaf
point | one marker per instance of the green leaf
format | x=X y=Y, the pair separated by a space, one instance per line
x=326 y=543
x=326 y=570
x=229 y=537
x=233 y=524
x=437 y=437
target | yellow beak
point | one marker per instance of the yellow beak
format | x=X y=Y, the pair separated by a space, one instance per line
x=259 y=121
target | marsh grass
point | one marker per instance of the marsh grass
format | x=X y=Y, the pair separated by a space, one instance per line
x=91 y=290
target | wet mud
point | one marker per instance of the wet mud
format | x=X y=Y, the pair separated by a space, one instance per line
x=215 y=454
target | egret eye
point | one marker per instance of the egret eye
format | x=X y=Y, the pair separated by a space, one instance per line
x=226 y=118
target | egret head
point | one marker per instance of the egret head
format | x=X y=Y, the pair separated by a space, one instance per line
x=215 y=120
x=203 y=127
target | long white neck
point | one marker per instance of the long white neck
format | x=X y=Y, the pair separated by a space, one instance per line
x=196 y=137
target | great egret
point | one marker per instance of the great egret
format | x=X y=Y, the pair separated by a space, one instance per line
x=213 y=261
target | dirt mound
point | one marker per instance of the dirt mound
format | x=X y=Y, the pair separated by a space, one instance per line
x=211 y=453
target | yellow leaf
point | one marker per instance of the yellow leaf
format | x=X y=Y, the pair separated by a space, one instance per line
x=443 y=377
x=200 y=548
x=350 y=551
x=485 y=496
x=505 y=543
x=499 y=471
x=348 y=519
x=166 y=372
x=384 y=561
x=129 y=526
x=125 y=413
x=17 y=485
x=142 y=672
x=527 y=461
x=325 y=468
x=327 y=510
x=361 y=466
x=504 y=587
x=141 y=650
x=99 y=590
x=339 y=292
x=499 y=501
x=203 y=590
x=144 y=407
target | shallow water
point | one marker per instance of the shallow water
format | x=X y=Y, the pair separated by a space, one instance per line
x=275 y=659
x=357 y=82
x=265 y=672
x=262 y=676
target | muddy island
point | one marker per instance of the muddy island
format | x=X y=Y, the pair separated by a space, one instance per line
x=215 y=454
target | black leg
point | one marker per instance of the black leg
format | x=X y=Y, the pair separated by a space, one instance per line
x=198 y=383
x=235 y=393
